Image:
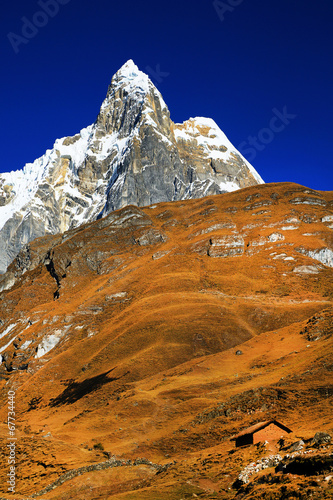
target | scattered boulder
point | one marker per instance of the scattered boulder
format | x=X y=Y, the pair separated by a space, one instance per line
x=298 y=446
x=306 y=270
x=321 y=438
x=151 y=237
x=275 y=237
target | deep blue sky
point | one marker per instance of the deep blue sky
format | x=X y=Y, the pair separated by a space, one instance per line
x=235 y=67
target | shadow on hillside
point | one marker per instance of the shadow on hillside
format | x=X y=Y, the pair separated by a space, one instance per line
x=77 y=390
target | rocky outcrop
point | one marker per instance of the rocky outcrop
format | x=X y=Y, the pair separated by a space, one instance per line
x=132 y=154
x=110 y=464
x=323 y=255
x=226 y=246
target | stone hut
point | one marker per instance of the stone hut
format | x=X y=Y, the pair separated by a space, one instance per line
x=272 y=430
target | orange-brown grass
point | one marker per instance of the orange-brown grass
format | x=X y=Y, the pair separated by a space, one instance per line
x=153 y=372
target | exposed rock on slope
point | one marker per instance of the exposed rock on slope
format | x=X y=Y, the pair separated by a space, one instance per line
x=132 y=154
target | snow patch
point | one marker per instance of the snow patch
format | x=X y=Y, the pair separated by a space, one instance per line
x=7 y=330
x=215 y=144
x=76 y=151
x=228 y=186
x=26 y=344
x=24 y=185
x=132 y=79
x=7 y=345
x=48 y=343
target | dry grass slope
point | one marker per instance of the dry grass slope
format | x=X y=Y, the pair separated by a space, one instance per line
x=163 y=331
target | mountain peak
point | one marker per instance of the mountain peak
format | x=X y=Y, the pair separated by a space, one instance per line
x=129 y=68
x=132 y=155
x=130 y=76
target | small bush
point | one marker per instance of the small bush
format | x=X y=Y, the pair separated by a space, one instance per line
x=98 y=446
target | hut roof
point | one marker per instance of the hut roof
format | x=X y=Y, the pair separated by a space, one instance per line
x=261 y=425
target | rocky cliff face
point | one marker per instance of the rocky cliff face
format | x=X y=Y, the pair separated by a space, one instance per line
x=132 y=154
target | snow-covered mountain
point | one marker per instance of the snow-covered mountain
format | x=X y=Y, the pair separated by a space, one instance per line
x=132 y=154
